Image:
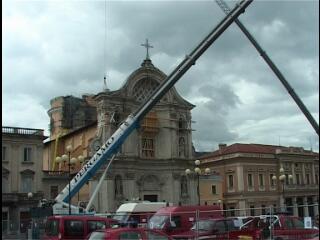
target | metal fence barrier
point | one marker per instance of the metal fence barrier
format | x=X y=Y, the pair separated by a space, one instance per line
x=34 y=228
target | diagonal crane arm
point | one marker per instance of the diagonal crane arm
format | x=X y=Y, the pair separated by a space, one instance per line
x=223 y=5
x=112 y=145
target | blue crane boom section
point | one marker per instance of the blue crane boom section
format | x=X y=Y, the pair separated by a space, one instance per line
x=112 y=145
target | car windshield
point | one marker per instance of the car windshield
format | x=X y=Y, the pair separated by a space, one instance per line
x=96 y=236
x=52 y=228
x=203 y=225
x=261 y=221
x=121 y=216
x=157 y=222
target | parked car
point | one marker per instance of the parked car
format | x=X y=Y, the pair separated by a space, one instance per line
x=127 y=233
x=74 y=226
x=178 y=219
x=215 y=229
x=280 y=227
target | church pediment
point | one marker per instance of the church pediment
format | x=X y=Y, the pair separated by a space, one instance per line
x=144 y=81
x=150 y=182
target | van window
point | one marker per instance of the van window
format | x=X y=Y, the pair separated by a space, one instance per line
x=230 y=225
x=176 y=220
x=95 y=225
x=134 y=218
x=203 y=225
x=157 y=222
x=289 y=223
x=96 y=236
x=73 y=228
x=276 y=222
x=121 y=216
x=155 y=236
x=297 y=223
x=220 y=226
x=130 y=236
x=52 y=228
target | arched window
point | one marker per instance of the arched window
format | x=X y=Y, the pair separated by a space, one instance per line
x=181 y=123
x=144 y=88
x=147 y=146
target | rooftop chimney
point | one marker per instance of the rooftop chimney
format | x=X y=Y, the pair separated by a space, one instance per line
x=222 y=146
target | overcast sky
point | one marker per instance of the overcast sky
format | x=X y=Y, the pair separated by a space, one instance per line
x=56 y=48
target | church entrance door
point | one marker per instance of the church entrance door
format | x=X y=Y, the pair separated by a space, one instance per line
x=151 y=198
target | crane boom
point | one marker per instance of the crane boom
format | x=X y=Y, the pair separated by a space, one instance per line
x=223 y=5
x=118 y=137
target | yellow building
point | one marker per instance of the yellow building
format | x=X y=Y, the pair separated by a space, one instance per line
x=211 y=192
x=56 y=175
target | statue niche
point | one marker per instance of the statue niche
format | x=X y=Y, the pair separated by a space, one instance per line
x=118 y=189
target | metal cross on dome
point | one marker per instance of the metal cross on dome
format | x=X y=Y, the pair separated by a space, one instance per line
x=147 y=46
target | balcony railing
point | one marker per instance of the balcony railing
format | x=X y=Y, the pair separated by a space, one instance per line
x=55 y=174
x=22 y=131
x=9 y=197
x=19 y=197
x=301 y=187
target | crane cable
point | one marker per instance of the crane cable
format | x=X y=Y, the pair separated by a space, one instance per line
x=105 y=47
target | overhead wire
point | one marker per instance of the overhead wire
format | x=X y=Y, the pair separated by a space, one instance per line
x=105 y=46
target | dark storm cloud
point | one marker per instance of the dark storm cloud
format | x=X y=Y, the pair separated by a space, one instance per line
x=54 y=48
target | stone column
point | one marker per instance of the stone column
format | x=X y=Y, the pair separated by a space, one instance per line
x=242 y=207
x=295 y=207
x=293 y=174
x=282 y=203
x=316 y=206
x=303 y=175
x=305 y=207
x=313 y=177
x=282 y=197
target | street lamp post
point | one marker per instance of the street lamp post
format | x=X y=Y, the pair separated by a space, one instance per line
x=81 y=160
x=65 y=157
x=282 y=179
x=71 y=161
x=197 y=170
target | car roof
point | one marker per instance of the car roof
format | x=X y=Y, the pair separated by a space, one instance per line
x=190 y=209
x=122 y=229
x=81 y=217
x=213 y=219
x=141 y=207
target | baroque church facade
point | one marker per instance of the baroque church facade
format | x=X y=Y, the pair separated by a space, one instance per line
x=150 y=164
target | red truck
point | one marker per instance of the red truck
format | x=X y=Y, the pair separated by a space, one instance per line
x=74 y=226
x=281 y=227
x=178 y=219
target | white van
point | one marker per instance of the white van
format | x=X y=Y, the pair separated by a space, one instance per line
x=137 y=213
